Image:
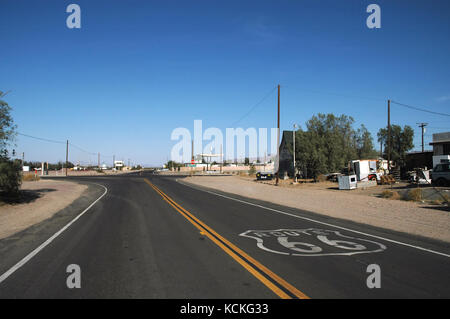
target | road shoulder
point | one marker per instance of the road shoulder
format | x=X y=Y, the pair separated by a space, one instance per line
x=16 y=246
x=402 y=217
x=38 y=201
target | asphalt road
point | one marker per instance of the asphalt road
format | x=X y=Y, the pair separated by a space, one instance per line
x=154 y=237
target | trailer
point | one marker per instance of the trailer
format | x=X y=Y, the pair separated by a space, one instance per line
x=365 y=170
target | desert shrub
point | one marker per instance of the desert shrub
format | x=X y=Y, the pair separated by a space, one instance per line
x=321 y=178
x=10 y=176
x=415 y=195
x=395 y=195
x=252 y=170
x=386 y=194
x=30 y=178
x=390 y=194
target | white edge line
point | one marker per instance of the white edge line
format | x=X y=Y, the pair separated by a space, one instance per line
x=48 y=241
x=316 y=221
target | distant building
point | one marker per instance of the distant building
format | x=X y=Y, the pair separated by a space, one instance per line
x=441 y=143
x=119 y=165
x=441 y=148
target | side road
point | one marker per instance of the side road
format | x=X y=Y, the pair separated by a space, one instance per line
x=406 y=217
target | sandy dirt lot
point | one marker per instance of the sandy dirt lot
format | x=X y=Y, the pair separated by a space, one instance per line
x=62 y=173
x=403 y=216
x=44 y=199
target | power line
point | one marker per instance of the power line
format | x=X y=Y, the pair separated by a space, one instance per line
x=420 y=109
x=344 y=95
x=41 y=139
x=438 y=128
x=61 y=142
x=254 y=106
x=83 y=150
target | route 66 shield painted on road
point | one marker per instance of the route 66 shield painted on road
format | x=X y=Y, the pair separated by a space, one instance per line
x=311 y=242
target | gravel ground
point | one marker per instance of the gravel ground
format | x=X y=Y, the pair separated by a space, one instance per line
x=52 y=196
x=408 y=217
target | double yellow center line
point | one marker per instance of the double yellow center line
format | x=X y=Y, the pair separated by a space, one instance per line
x=274 y=282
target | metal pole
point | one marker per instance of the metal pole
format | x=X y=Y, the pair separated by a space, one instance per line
x=381 y=149
x=293 y=138
x=221 y=157
x=278 y=137
x=389 y=136
x=67 y=156
x=422 y=125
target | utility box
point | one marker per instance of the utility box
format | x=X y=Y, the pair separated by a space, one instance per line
x=347 y=182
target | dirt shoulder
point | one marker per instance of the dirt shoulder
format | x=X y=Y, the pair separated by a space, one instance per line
x=402 y=216
x=41 y=200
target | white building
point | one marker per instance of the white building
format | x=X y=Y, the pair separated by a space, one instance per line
x=119 y=165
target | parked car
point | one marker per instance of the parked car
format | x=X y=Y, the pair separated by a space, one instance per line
x=440 y=175
x=264 y=176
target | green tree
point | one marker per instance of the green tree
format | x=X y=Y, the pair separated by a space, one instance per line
x=7 y=127
x=10 y=171
x=173 y=165
x=364 y=144
x=329 y=143
x=310 y=158
x=401 y=142
x=10 y=176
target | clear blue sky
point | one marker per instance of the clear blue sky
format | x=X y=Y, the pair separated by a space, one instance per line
x=138 y=69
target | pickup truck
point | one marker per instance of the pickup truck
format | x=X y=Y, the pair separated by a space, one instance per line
x=440 y=176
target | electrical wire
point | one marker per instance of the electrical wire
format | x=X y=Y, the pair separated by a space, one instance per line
x=62 y=142
x=83 y=150
x=42 y=139
x=345 y=95
x=420 y=109
x=254 y=106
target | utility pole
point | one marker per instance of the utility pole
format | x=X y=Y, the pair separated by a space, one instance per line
x=98 y=160
x=67 y=155
x=381 y=148
x=293 y=153
x=221 y=158
x=192 y=156
x=265 y=160
x=422 y=125
x=114 y=161
x=278 y=137
x=389 y=136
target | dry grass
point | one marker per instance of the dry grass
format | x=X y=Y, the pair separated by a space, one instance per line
x=441 y=201
x=390 y=194
x=30 y=178
x=415 y=195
